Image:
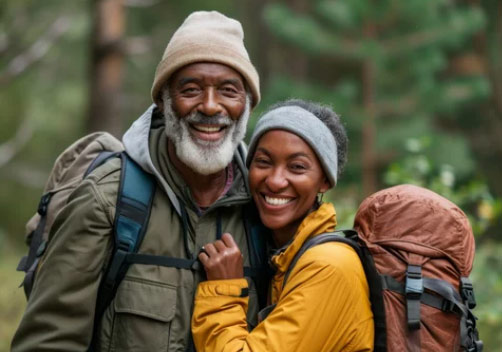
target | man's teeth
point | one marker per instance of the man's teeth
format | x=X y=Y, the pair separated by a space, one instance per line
x=207 y=129
x=277 y=201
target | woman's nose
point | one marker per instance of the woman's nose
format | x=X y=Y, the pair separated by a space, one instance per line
x=276 y=180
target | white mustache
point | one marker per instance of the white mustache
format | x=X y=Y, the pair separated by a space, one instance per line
x=199 y=118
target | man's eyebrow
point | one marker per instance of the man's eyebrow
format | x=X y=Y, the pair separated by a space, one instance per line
x=187 y=80
x=234 y=81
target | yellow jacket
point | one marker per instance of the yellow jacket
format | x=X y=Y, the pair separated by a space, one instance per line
x=324 y=305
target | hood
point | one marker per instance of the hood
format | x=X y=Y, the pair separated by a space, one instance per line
x=136 y=143
x=410 y=217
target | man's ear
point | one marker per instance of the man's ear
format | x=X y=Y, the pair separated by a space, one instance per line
x=160 y=103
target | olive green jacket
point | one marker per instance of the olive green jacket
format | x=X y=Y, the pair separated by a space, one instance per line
x=153 y=305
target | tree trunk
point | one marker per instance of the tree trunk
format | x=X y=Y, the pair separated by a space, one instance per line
x=369 y=176
x=257 y=37
x=296 y=58
x=106 y=66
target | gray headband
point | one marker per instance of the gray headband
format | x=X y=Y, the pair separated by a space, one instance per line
x=306 y=125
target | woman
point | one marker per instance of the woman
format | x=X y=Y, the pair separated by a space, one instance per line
x=296 y=152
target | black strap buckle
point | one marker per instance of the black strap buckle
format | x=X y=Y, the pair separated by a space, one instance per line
x=44 y=203
x=414 y=284
x=447 y=305
x=467 y=292
x=414 y=288
x=196 y=265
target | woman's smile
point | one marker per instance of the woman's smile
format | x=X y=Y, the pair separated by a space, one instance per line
x=276 y=201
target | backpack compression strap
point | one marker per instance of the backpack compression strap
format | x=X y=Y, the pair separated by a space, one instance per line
x=445 y=297
x=29 y=263
x=38 y=246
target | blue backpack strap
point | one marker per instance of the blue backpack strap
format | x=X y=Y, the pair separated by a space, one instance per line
x=134 y=202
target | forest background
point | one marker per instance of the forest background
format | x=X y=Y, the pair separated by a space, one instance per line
x=418 y=85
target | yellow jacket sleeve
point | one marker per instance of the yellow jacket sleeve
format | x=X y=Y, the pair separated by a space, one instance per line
x=324 y=307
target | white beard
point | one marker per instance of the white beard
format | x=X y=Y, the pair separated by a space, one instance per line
x=204 y=157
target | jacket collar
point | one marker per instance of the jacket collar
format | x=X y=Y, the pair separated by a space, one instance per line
x=319 y=221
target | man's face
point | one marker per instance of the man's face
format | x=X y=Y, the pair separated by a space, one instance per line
x=206 y=110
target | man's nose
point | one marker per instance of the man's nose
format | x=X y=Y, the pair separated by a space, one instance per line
x=276 y=180
x=210 y=104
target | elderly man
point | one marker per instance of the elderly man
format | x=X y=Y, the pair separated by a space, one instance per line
x=203 y=91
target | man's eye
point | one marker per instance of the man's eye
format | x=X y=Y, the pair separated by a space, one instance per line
x=190 y=90
x=229 y=90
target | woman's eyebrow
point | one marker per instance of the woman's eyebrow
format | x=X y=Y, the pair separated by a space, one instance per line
x=299 y=154
x=263 y=150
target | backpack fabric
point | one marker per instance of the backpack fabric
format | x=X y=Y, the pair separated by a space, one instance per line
x=70 y=168
x=417 y=250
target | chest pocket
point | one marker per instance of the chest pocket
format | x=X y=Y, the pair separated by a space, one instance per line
x=143 y=315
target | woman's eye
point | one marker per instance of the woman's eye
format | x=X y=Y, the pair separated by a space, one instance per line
x=298 y=167
x=261 y=161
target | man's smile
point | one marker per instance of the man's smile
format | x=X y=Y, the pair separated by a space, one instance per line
x=208 y=132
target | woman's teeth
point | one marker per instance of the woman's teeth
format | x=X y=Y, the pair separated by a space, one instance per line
x=277 y=201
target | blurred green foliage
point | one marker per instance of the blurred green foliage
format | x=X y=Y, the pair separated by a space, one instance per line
x=487 y=279
x=412 y=88
x=471 y=194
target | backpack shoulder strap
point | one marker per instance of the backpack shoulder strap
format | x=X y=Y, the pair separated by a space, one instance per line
x=351 y=238
x=256 y=235
x=134 y=202
x=344 y=236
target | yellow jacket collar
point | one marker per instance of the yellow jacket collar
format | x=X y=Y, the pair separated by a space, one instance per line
x=319 y=221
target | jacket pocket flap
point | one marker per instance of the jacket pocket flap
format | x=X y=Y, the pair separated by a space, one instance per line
x=146 y=299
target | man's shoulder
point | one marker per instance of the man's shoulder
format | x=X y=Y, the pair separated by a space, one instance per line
x=102 y=183
x=108 y=172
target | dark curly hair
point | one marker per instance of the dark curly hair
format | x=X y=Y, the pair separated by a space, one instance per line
x=330 y=118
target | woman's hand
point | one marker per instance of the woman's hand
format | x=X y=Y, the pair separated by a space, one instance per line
x=222 y=259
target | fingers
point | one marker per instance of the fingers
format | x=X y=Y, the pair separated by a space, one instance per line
x=228 y=240
x=222 y=259
x=210 y=249
x=220 y=246
x=204 y=258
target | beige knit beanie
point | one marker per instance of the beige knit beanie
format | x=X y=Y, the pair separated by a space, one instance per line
x=207 y=37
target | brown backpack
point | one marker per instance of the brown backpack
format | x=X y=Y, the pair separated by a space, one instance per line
x=417 y=250
x=423 y=248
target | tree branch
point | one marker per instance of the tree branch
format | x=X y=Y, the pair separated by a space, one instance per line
x=9 y=149
x=36 y=51
x=140 y=3
x=26 y=174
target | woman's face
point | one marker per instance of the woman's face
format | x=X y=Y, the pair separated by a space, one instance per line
x=285 y=177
